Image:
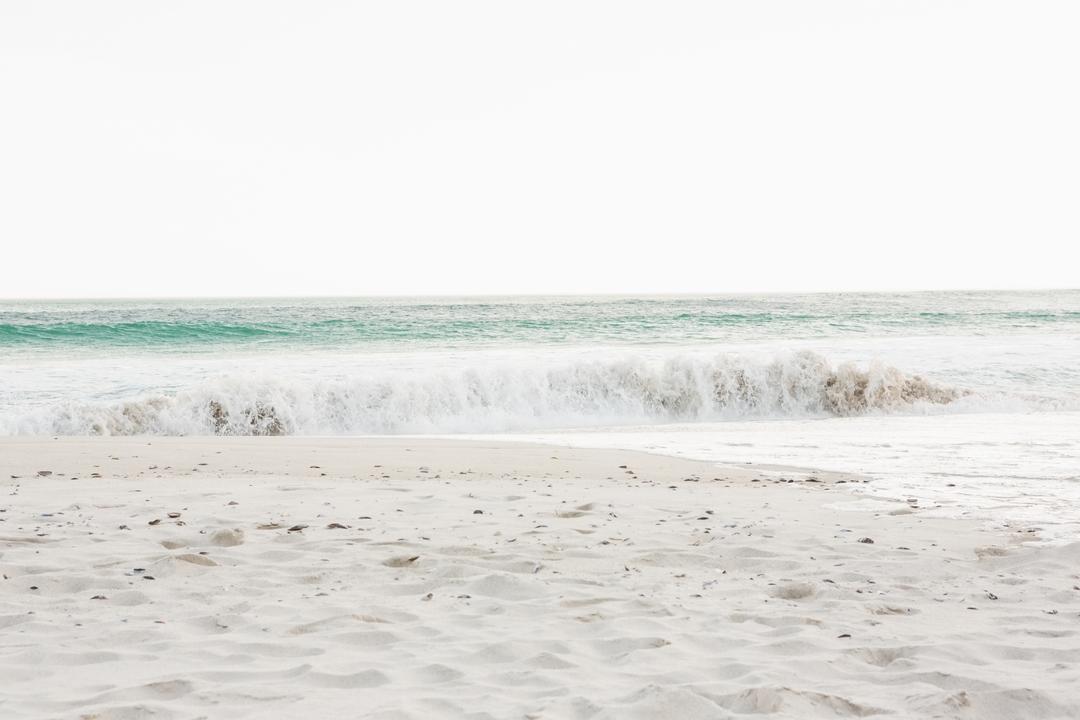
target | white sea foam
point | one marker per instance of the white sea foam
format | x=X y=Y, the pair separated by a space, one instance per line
x=1005 y=467
x=507 y=396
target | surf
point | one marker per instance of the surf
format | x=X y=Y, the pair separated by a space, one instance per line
x=507 y=396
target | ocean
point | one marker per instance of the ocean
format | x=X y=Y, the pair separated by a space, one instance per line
x=968 y=400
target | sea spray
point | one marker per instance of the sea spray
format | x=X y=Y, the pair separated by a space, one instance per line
x=505 y=397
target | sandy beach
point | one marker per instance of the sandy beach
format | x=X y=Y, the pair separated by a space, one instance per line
x=539 y=361
x=406 y=578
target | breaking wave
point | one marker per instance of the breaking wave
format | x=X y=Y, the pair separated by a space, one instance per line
x=508 y=397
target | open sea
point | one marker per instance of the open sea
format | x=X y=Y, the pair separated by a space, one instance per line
x=969 y=401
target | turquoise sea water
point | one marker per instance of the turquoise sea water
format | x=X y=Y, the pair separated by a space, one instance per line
x=969 y=401
x=381 y=323
x=344 y=366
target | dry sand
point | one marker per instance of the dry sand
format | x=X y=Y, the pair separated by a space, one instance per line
x=289 y=577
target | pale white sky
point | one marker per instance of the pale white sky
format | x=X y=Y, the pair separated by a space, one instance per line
x=281 y=148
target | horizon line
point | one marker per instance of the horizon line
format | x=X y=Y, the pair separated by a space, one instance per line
x=496 y=295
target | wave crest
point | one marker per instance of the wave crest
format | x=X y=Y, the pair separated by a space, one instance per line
x=630 y=390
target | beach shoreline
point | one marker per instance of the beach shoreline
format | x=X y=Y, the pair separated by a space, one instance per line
x=418 y=577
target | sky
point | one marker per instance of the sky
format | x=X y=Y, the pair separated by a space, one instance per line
x=369 y=148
